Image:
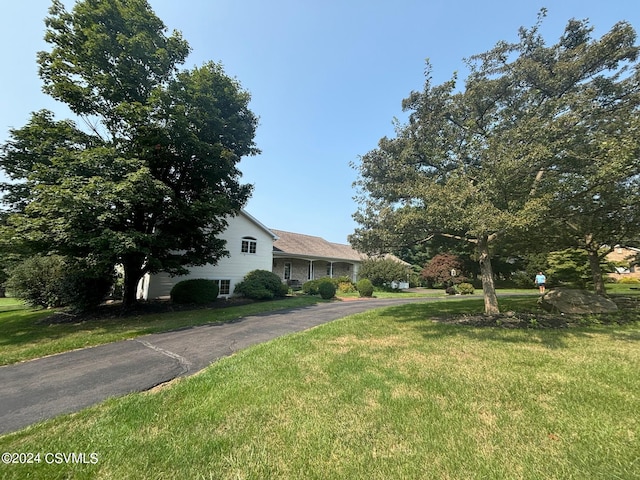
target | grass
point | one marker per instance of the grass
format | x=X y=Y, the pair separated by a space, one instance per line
x=383 y=394
x=25 y=333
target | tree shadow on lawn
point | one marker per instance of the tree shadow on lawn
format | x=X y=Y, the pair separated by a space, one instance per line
x=542 y=328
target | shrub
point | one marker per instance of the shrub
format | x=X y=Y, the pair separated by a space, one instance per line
x=327 y=289
x=346 y=287
x=465 y=288
x=54 y=281
x=284 y=290
x=310 y=287
x=38 y=281
x=451 y=290
x=365 y=287
x=522 y=279
x=261 y=285
x=85 y=289
x=195 y=290
x=629 y=280
x=382 y=271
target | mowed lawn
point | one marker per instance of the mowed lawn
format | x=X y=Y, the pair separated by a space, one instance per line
x=387 y=394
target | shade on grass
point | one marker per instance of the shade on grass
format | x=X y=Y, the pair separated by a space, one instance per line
x=383 y=394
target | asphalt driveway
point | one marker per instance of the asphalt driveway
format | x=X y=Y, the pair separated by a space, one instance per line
x=43 y=388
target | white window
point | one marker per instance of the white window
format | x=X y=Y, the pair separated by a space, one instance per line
x=249 y=245
x=224 y=287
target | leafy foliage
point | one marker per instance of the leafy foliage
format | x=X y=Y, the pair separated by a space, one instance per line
x=150 y=184
x=53 y=281
x=327 y=289
x=310 y=287
x=569 y=266
x=261 y=285
x=195 y=290
x=538 y=136
x=383 y=271
x=465 y=288
x=443 y=269
x=365 y=287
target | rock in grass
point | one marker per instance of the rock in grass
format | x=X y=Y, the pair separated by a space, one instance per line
x=565 y=300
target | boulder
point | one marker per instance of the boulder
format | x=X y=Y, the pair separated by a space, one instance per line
x=566 y=300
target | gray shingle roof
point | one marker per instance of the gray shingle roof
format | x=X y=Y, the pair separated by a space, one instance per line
x=299 y=245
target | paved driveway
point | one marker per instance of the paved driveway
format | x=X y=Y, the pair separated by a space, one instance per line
x=40 y=389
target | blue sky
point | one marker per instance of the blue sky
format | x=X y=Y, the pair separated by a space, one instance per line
x=327 y=78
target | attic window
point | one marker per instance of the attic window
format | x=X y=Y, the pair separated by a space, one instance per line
x=248 y=245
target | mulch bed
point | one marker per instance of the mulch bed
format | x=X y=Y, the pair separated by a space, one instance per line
x=628 y=312
x=114 y=310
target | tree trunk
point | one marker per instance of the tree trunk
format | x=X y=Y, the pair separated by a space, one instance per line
x=486 y=273
x=132 y=266
x=596 y=273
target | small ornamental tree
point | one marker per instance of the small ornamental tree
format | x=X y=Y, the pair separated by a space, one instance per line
x=445 y=269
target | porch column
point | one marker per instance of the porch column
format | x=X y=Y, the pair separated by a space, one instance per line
x=310 y=270
x=330 y=269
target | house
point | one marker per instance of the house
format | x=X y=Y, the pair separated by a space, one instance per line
x=298 y=258
x=250 y=247
x=294 y=257
x=627 y=261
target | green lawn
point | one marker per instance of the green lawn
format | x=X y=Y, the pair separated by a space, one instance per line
x=387 y=394
x=25 y=333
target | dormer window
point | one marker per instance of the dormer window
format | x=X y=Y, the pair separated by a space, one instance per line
x=248 y=245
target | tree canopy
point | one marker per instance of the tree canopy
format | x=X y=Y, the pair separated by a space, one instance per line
x=536 y=137
x=151 y=178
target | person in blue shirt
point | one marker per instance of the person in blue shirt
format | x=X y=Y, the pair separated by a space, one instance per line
x=541 y=280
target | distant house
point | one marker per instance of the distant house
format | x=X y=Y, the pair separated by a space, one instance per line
x=250 y=246
x=627 y=262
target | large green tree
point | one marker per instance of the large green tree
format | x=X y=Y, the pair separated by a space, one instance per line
x=151 y=176
x=484 y=163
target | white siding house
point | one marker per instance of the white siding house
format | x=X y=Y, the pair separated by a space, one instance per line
x=250 y=247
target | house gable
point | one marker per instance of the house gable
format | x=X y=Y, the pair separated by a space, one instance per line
x=250 y=247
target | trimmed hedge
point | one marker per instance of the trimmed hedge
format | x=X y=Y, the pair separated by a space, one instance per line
x=327 y=289
x=261 y=285
x=365 y=287
x=195 y=290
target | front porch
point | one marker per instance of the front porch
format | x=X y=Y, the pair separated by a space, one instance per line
x=305 y=269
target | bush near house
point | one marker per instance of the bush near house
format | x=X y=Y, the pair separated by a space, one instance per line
x=311 y=287
x=195 y=290
x=326 y=284
x=346 y=287
x=365 y=287
x=326 y=288
x=261 y=285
